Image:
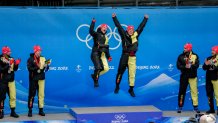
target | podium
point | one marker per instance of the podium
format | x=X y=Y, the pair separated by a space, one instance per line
x=116 y=114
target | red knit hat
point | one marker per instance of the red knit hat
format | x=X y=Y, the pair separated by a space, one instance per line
x=188 y=46
x=215 y=49
x=5 y=50
x=129 y=27
x=104 y=25
x=37 y=48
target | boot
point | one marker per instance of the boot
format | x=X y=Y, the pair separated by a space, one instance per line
x=96 y=84
x=1 y=113
x=196 y=109
x=95 y=81
x=211 y=105
x=13 y=113
x=210 y=111
x=41 y=112
x=179 y=110
x=30 y=113
x=116 y=91
x=131 y=92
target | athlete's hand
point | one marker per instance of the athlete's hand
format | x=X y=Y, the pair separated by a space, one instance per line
x=11 y=61
x=146 y=16
x=114 y=15
x=207 y=62
x=17 y=62
x=93 y=20
x=110 y=59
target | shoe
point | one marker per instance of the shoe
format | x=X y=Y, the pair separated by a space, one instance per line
x=30 y=113
x=211 y=111
x=41 y=112
x=179 y=110
x=13 y=113
x=96 y=84
x=131 y=92
x=196 y=110
x=95 y=81
x=116 y=91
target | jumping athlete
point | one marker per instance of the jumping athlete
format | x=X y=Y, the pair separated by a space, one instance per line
x=128 y=57
x=100 y=51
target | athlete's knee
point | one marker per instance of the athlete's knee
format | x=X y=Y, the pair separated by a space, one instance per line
x=106 y=69
x=121 y=71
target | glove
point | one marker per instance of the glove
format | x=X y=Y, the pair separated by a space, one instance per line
x=110 y=59
x=11 y=61
x=17 y=62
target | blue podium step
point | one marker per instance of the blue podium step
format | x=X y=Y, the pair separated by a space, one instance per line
x=118 y=114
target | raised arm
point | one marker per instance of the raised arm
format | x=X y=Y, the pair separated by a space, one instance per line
x=91 y=29
x=142 y=25
x=117 y=24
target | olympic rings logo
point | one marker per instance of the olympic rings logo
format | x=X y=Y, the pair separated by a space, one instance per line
x=88 y=37
x=120 y=117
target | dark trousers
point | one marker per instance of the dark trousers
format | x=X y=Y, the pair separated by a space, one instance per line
x=122 y=67
x=96 y=59
x=184 y=82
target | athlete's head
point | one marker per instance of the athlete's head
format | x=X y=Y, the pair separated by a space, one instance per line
x=130 y=29
x=187 y=47
x=6 y=50
x=214 y=50
x=37 y=50
x=103 y=28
